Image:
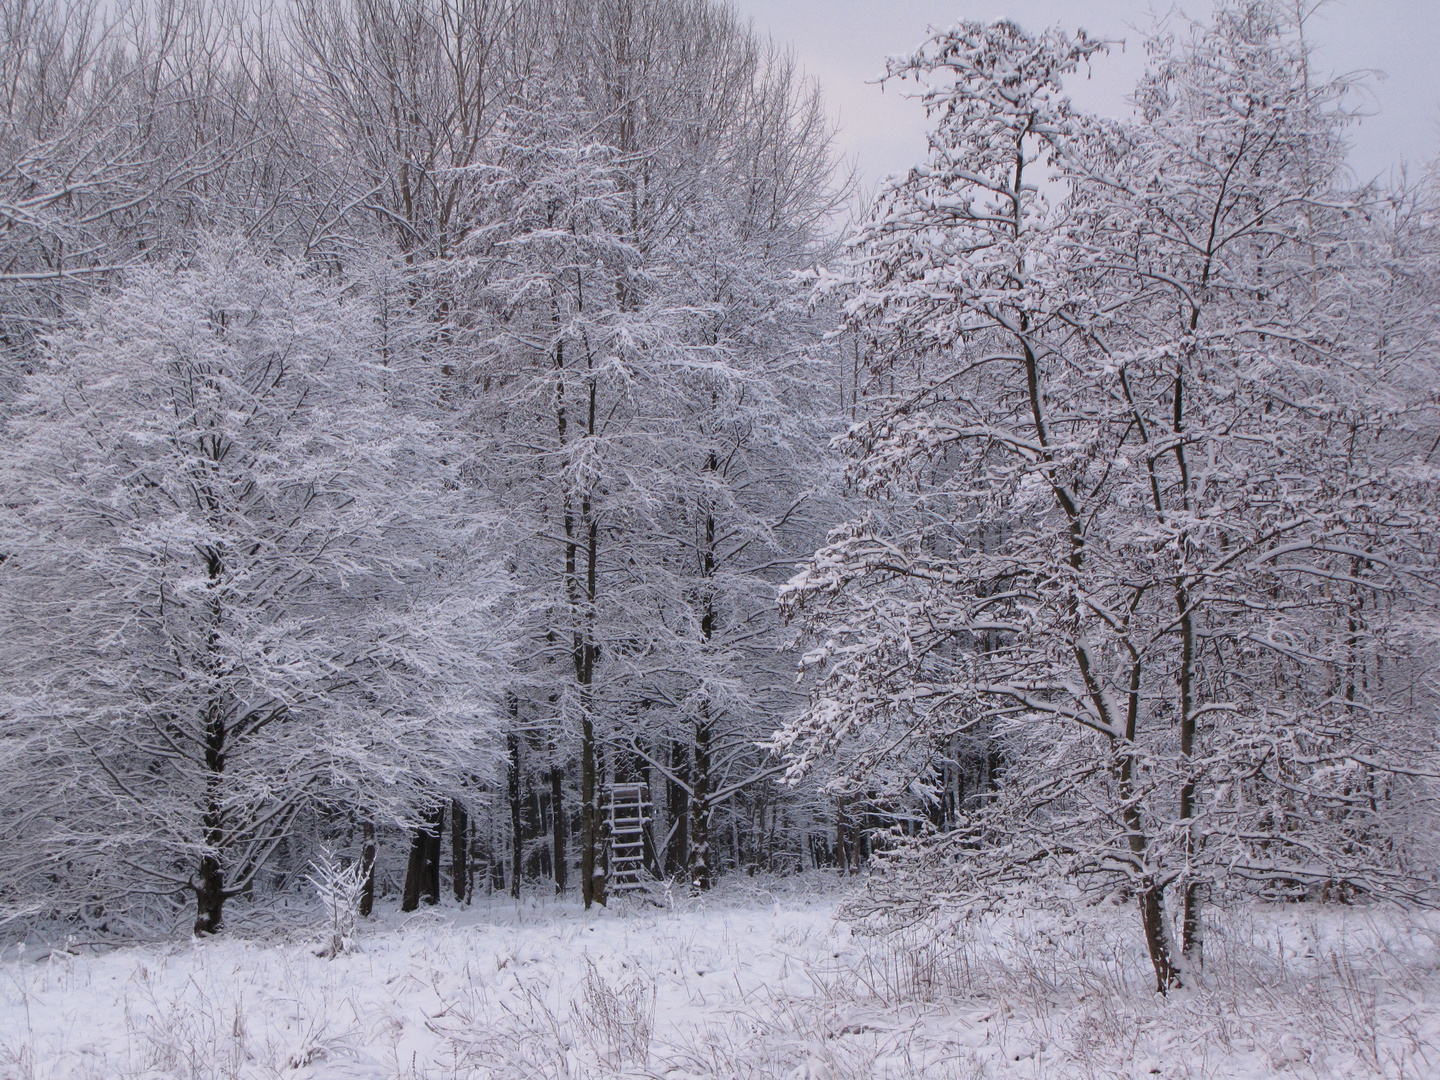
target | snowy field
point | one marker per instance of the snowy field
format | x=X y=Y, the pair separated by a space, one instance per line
x=753 y=981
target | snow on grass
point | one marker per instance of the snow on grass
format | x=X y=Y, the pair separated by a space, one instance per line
x=753 y=982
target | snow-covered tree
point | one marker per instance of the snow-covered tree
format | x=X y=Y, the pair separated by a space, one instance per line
x=1112 y=545
x=638 y=334
x=1259 y=400
x=236 y=586
x=595 y=211
x=126 y=131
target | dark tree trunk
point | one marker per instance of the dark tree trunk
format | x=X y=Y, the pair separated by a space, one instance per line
x=422 y=873
x=367 y=867
x=677 y=846
x=497 y=872
x=430 y=886
x=1151 y=894
x=591 y=871
x=593 y=887
x=459 y=861
x=593 y=824
x=1191 y=944
x=471 y=863
x=539 y=826
x=414 y=871
x=557 y=822
x=1152 y=922
x=698 y=861
x=1192 y=947
x=844 y=858
x=581 y=594
x=209 y=896
x=210 y=890
x=1191 y=937
x=517 y=824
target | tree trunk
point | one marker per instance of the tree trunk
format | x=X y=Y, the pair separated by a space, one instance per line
x=1191 y=938
x=698 y=863
x=582 y=606
x=1157 y=939
x=433 y=831
x=593 y=885
x=209 y=896
x=517 y=825
x=844 y=854
x=367 y=867
x=471 y=863
x=557 y=822
x=677 y=845
x=1151 y=893
x=414 y=871
x=459 y=838
x=589 y=825
x=422 y=873
x=591 y=872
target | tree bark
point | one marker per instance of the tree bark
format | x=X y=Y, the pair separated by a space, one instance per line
x=422 y=873
x=849 y=836
x=209 y=896
x=414 y=871
x=1192 y=942
x=1157 y=939
x=1151 y=894
x=698 y=863
x=433 y=831
x=367 y=867
x=459 y=861
x=471 y=863
x=557 y=822
x=677 y=845
x=210 y=891
x=582 y=606
x=517 y=826
x=593 y=873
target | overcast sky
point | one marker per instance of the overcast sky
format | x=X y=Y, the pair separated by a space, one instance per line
x=844 y=43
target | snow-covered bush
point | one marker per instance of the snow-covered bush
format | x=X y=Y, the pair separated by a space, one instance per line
x=339 y=886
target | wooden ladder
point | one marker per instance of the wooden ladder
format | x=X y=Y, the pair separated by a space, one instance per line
x=629 y=806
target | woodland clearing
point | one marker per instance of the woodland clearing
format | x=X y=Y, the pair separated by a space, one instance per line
x=759 y=979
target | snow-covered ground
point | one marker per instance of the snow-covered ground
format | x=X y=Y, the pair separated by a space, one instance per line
x=757 y=980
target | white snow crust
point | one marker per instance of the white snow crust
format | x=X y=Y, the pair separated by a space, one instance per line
x=756 y=980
